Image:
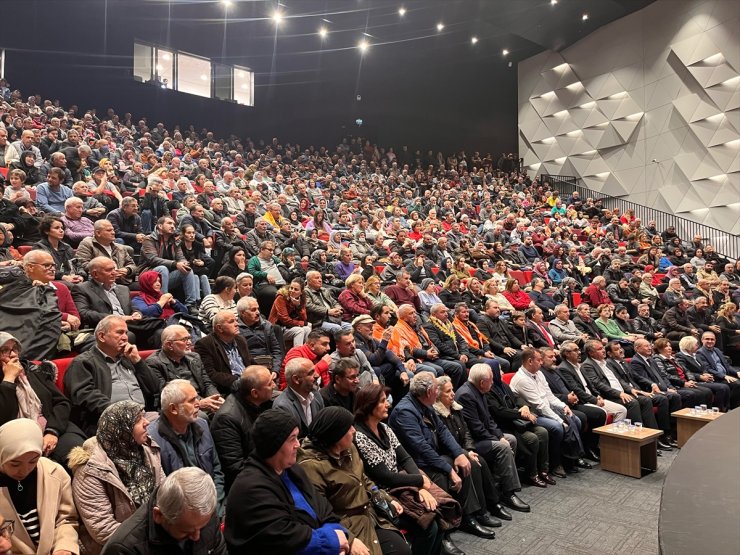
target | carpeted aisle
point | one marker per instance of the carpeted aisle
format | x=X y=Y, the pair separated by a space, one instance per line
x=589 y=513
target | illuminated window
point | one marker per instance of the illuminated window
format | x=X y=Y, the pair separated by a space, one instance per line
x=143 y=58
x=164 y=70
x=193 y=75
x=243 y=86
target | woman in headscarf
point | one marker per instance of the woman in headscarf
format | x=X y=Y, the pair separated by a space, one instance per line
x=151 y=302
x=331 y=461
x=27 y=391
x=35 y=493
x=236 y=264
x=114 y=472
x=26 y=163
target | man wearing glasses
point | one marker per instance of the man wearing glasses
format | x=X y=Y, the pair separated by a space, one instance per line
x=176 y=360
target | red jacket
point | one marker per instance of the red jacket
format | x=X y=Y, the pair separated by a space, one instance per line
x=519 y=300
x=595 y=296
x=304 y=351
x=354 y=305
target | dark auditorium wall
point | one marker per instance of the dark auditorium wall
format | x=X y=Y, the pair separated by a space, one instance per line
x=433 y=100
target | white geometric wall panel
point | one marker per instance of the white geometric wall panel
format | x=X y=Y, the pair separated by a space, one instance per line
x=647 y=107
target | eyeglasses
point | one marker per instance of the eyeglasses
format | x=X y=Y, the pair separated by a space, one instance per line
x=183 y=340
x=47 y=266
x=7 y=528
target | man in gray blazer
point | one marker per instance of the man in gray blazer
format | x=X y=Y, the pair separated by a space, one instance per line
x=300 y=398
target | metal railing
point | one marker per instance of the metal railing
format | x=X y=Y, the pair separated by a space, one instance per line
x=724 y=243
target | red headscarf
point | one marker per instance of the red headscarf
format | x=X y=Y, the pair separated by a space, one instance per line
x=149 y=295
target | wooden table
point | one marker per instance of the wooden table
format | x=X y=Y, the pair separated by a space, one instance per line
x=628 y=452
x=688 y=424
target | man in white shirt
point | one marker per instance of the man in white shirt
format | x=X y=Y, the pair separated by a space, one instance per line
x=554 y=415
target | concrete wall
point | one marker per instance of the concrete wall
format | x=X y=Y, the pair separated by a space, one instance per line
x=647 y=107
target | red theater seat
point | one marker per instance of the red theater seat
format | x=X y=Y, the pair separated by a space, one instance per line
x=508 y=377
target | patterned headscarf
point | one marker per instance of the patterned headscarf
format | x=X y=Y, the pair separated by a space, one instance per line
x=115 y=436
x=29 y=404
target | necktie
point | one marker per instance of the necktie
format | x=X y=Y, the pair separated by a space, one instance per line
x=546 y=335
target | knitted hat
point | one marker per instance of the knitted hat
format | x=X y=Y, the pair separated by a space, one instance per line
x=270 y=431
x=329 y=426
x=425 y=283
x=18 y=437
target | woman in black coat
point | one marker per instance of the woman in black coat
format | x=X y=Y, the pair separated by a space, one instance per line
x=28 y=391
x=262 y=515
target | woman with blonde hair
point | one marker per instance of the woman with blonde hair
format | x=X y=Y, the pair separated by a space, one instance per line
x=492 y=291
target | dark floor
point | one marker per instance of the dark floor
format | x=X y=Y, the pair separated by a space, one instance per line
x=591 y=513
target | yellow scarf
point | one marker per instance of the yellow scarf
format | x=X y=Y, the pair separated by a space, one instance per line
x=446 y=327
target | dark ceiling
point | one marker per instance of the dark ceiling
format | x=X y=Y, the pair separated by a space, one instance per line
x=418 y=85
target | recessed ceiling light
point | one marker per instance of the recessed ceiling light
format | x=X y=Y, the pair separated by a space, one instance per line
x=401 y=11
x=474 y=40
x=505 y=52
x=203 y=78
x=553 y=2
x=277 y=17
x=584 y=17
x=226 y=3
x=363 y=45
x=440 y=26
x=323 y=32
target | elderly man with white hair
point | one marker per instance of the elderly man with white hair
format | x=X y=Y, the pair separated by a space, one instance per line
x=183 y=436
x=182 y=511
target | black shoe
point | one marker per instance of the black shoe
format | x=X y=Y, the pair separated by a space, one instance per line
x=559 y=472
x=593 y=455
x=499 y=511
x=471 y=526
x=572 y=469
x=536 y=481
x=672 y=442
x=663 y=446
x=488 y=520
x=659 y=453
x=449 y=548
x=513 y=502
x=545 y=477
x=580 y=463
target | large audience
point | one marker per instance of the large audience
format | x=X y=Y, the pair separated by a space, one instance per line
x=324 y=350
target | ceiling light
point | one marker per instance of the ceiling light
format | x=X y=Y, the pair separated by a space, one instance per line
x=277 y=17
x=584 y=17
x=474 y=40
x=166 y=56
x=440 y=26
x=159 y=67
x=553 y=2
x=505 y=52
x=363 y=45
x=245 y=87
x=226 y=3
x=240 y=74
x=203 y=77
x=401 y=11
x=323 y=32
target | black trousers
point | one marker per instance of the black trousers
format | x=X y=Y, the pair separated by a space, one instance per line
x=478 y=492
x=392 y=542
x=693 y=396
x=532 y=450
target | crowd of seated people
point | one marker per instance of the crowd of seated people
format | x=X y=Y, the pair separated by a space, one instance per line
x=322 y=347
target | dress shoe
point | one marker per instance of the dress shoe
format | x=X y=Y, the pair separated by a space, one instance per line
x=593 y=455
x=663 y=445
x=559 y=472
x=488 y=520
x=499 y=511
x=537 y=482
x=672 y=442
x=545 y=477
x=572 y=469
x=583 y=464
x=449 y=548
x=471 y=526
x=513 y=502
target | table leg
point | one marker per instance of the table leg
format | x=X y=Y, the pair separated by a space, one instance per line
x=649 y=455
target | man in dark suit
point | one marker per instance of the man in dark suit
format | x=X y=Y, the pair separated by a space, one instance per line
x=539 y=335
x=715 y=361
x=491 y=443
x=111 y=371
x=224 y=352
x=648 y=376
x=231 y=426
x=502 y=341
x=300 y=398
x=649 y=402
x=606 y=382
x=591 y=410
x=101 y=296
x=695 y=370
